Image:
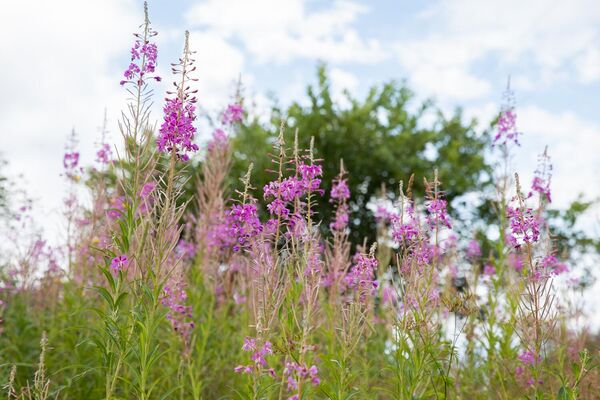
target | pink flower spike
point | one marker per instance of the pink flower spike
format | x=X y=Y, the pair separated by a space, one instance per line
x=118 y=264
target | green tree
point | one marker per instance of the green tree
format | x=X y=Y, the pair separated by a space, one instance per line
x=383 y=139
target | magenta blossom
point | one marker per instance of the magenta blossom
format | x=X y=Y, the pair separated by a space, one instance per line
x=233 y=114
x=473 y=250
x=258 y=353
x=362 y=275
x=177 y=132
x=542 y=177
x=219 y=141
x=296 y=372
x=103 y=155
x=507 y=122
x=116 y=208
x=243 y=224
x=437 y=213
x=524 y=226
x=552 y=264
x=118 y=264
x=71 y=160
x=144 y=55
x=340 y=221
x=340 y=190
x=489 y=270
x=528 y=358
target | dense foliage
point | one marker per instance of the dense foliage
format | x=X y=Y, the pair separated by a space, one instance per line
x=383 y=139
x=153 y=297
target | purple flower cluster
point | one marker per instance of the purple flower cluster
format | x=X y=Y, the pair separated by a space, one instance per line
x=71 y=160
x=296 y=372
x=340 y=193
x=524 y=226
x=362 y=275
x=180 y=314
x=489 y=270
x=186 y=249
x=118 y=264
x=143 y=60
x=103 y=155
x=310 y=177
x=404 y=232
x=528 y=358
x=437 y=213
x=116 y=207
x=405 y=228
x=340 y=190
x=542 y=177
x=177 y=131
x=233 y=114
x=551 y=264
x=243 y=224
x=340 y=221
x=218 y=142
x=259 y=354
x=146 y=198
x=383 y=215
x=473 y=250
x=515 y=261
x=291 y=188
x=71 y=164
x=507 y=122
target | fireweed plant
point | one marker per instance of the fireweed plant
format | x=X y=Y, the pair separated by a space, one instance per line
x=160 y=297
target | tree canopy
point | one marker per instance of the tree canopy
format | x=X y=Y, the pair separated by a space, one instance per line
x=382 y=139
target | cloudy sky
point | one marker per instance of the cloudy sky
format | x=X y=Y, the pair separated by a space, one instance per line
x=62 y=61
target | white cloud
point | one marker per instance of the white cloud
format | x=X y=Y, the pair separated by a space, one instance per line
x=442 y=69
x=341 y=81
x=551 y=39
x=57 y=74
x=219 y=66
x=281 y=31
x=588 y=66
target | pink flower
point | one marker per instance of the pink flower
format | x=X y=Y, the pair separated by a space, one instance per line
x=243 y=225
x=249 y=344
x=524 y=226
x=296 y=372
x=515 y=261
x=551 y=263
x=437 y=213
x=542 y=177
x=118 y=264
x=340 y=190
x=341 y=219
x=143 y=58
x=473 y=249
x=362 y=275
x=175 y=299
x=507 y=122
x=233 y=114
x=103 y=154
x=244 y=369
x=177 y=131
x=147 y=189
x=528 y=358
x=71 y=160
x=218 y=142
x=117 y=207
x=489 y=270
